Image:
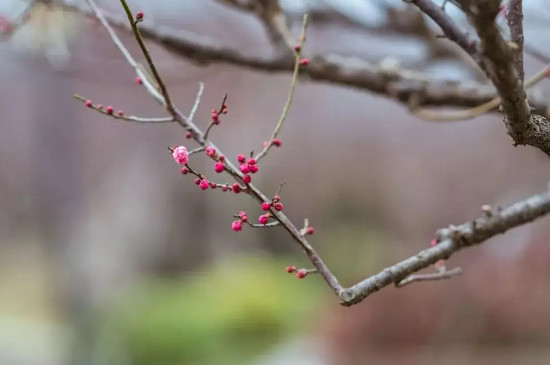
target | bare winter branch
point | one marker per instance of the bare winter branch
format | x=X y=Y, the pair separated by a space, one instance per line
x=495 y=59
x=128 y=118
x=290 y=96
x=409 y=87
x=524 y=128
x=448 y=25
x=198 y=136
x=453 y=240
x=514 y=17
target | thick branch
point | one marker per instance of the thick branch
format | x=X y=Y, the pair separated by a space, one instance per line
x=457 y=238
x=404 y=85
x=524 y=128
x=448 y=26
x=514 y=17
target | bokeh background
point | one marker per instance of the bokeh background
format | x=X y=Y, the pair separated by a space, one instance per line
x=108 y=255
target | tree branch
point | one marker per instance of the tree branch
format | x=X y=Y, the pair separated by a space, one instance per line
x=495 y=59
x=409 y=87
x=453 y=240
x=230 y=168
x=448 y=26
x=524 y=128
x=290 y=96
x=443 y=274
x=514 y=17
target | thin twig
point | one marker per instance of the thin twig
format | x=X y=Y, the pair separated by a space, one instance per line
x=290 y=96
x=196 y=104
x=137 y=67
x=128 y=118
x=196 y=150
x=213 y=122
x=198 y=136
x=445 y=274
x=268 y=225
x=147 y=55
x=460 y=115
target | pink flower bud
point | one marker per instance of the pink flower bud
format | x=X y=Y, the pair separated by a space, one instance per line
x=218 y=167
x=278 y=206
x=215 y=117
x=245 y=169
x=290 y=269
x=224 y=188
x=204 y=184
x=247 y=179
x=251 y=161
x=139 y=15
x=89 y=103
x=109 y=110
x=297 y=48
x=236 y=188
x=304 y=62
x=188 y=135
x=433 y=242
x=221 y=158
x=302 y=273
x=210 y=151
x=276 y=198
x=139 y=81
x=180 y=155
x=253 y=168
x=277 y=142
x=184 y=170
x=197 y=181
x=266 y=206
x=241 y=158
x=310 y=230
x=264 y=218
x=237 y=226
x=243 y=216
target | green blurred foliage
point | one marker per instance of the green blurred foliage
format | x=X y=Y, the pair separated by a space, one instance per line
x=225 y=315
x=354 y=250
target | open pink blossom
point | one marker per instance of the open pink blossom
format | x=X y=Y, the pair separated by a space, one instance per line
x=180 y=155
